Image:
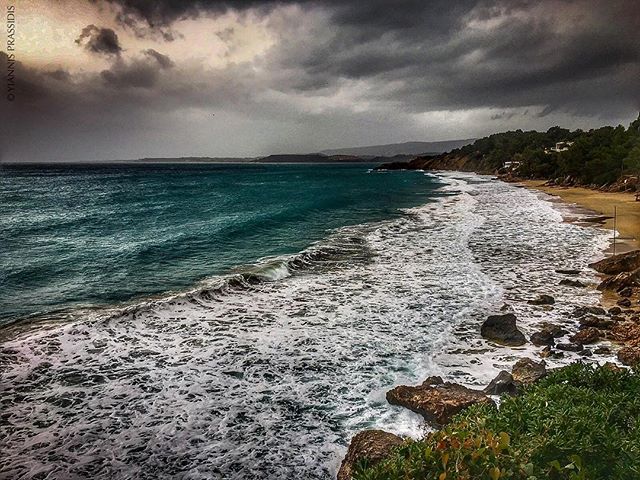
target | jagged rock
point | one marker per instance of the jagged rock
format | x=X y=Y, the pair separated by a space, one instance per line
x=572 y=283
x=569 y=347
x=436 y=403
x=502 y=329
x=585 y=336
x=629 y=356
x=503 y=383
x=596 y=322
x=585 y=353
x=567 y=271
x=626 y=292
x=526 y=371
x=624 y=262
x=555 y=330
x=542 y=300
x=582 y=311
x=370 y=445
x=541 y=338
x=615 y=311
x=624 y=302
x=621 y=281
x=602 y=351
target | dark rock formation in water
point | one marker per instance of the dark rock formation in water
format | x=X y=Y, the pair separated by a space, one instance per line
x=503 y=329
x=542 y=338
x=596 y=322
x=624 y=262
x=370 y=445
x=542 y=300
x=621 y=281
x=435 y=400
x=567 y=282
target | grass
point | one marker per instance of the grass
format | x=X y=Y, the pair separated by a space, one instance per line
x=580 y=422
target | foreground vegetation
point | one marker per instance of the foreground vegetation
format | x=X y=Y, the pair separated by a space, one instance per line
x=597 y=157
x=580 y=422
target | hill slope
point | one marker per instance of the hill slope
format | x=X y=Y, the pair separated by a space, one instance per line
x=407 y=148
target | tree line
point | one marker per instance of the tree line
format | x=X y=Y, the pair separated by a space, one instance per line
x=596 y=157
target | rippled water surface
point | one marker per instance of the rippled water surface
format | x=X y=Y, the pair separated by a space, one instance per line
x=247 y=377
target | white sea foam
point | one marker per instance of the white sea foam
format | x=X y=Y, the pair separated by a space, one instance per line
x=271 y=379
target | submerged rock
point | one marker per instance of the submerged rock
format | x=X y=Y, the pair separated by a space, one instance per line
x=624 y=302
x=582 y=311
x=602 y=351
x=542 y=338
x=624 y=262
x=570 y=347
x=542 y=300
x=526 y=371
x=555 y=330
x=502 y=329
x=567 y=271
x=596 y=322
x=572 y=283
x=370 y=445
x=437 y=403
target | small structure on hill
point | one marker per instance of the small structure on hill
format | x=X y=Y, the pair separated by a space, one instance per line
x=559 y=147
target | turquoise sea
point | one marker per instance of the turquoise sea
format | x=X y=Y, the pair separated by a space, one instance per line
x=95 y=235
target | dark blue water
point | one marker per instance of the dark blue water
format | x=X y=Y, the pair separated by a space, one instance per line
x=94 y=235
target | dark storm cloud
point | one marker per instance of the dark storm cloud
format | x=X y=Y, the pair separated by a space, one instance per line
x=163 y=60
x=99 y=40
x=452 y=55
x=351 y=62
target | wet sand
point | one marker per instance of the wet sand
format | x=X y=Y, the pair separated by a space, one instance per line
x=628 y=210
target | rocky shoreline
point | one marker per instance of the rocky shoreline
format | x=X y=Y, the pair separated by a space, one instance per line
x=616 y=319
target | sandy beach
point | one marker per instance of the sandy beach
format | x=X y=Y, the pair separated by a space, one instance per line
x=628 y=210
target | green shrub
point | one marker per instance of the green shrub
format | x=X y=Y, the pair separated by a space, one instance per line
x=580 y=422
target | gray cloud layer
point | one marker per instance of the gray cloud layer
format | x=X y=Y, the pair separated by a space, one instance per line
x=572 y=60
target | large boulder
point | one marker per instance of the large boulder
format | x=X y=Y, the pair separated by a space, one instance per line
x=502 y=329
x=438 y=402
x=621 y=281
x=629 y=355
x=625 y=262
x=526 y=371
x=370 y=445
x=542 y=300
x=586 y=336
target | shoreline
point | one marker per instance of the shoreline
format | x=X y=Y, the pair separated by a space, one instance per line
x=597 y=336
x=603 y=203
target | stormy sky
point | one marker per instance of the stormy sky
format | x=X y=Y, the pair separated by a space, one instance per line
x=121 y=79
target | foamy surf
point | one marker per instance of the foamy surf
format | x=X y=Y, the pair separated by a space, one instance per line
x=270 y=374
